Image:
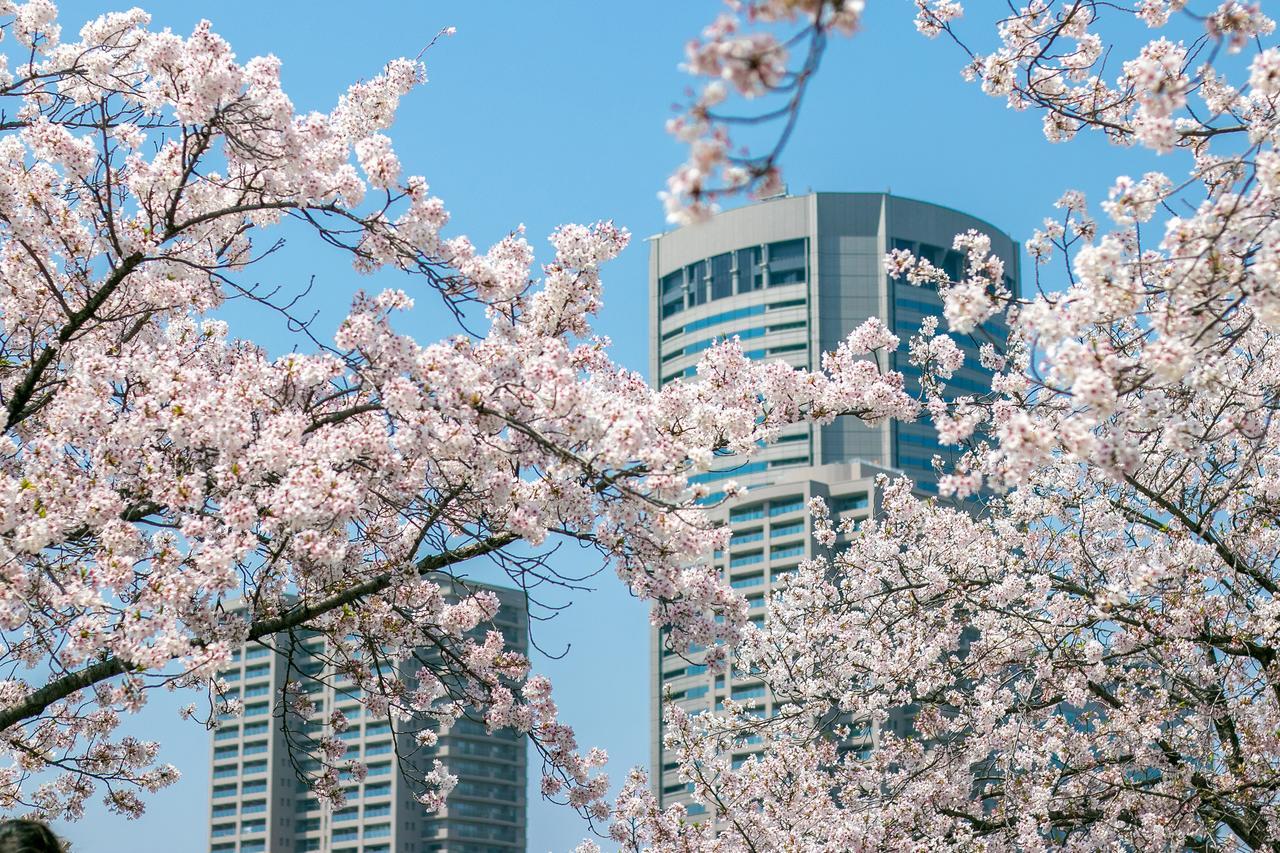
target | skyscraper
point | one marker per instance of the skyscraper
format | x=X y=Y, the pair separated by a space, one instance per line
x=792 y=277
x=258 y=805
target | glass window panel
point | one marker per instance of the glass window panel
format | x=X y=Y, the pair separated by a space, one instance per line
x=672 y=285
x=750 y=269
x=696 y=281
x=722 y=276
x=786 y=262
x=785 y=505
x=856 y=501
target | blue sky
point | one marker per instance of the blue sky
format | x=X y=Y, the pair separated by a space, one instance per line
x=553 y=112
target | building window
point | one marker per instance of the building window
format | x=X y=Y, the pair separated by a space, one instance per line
x=696 y=283
x=847 y=502
x=485 y=831
x=727 y=317
x=750 y=269
x=786 y=327
x=789 y=303
x=486 y=790
x=787 y=529
x=785 y=505
x=722 y=276
x=672 y=293
x=786 y=262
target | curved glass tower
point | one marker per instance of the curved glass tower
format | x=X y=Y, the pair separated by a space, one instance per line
x=792 y=277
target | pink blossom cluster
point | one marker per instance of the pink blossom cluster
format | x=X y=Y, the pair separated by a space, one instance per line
x=1083 y=654
x=972 y=300
x=170 y=491
x=1052 y=57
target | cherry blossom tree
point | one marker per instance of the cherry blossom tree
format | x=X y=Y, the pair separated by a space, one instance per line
x=169 y=491
x=1080 y=648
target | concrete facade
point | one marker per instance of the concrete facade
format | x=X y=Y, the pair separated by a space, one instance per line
x=792 y=277
x=258 y=804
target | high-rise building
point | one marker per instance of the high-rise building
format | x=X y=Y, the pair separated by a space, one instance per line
x=792 y=277
x=258 y=804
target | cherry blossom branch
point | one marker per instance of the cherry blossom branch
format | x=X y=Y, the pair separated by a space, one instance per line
x=38 y=701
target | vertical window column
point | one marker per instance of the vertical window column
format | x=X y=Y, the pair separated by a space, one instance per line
x=722 y=276
x=696 y=283
x=672 y=293
x=750 y=269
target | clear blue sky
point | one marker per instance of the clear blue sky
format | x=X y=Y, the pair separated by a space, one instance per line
x=542 y=113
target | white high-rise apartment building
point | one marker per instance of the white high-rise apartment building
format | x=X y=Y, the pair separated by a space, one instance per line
x=258 y=804
x=792 y=277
